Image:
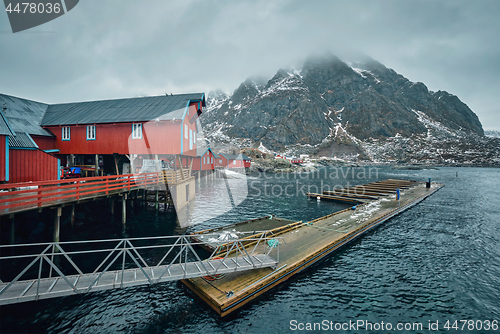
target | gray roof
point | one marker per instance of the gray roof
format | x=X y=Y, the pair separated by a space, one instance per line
x=236 y=156
x=123 y=110
x=24 y=115
x=22 y=140
x=5 y=128
x=202 y=149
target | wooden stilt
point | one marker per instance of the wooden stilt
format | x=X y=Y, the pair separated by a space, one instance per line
x=12 y=228
x=97 y=165
x=57 y=223
x=156 y=199
x=124 y=209
x=116 y=157
x=72 y=216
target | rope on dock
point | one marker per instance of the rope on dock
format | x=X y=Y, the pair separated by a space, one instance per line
x=324 y=228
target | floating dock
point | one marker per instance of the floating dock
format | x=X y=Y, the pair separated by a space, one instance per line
x=249 y=229
x=364 y=193
x=304 y=244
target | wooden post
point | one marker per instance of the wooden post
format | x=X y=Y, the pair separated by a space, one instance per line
x=72 y=217
x=96 y=165
x=190 y=167
x=156 y=199
x=57 y=223
x=12 y=228
x=116 y=157
x=71 y=161
x=124 y=209
x=132 y=163
x=181 y=167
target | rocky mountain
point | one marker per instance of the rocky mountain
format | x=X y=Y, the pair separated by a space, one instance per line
x=361 y=111
x=492 y=133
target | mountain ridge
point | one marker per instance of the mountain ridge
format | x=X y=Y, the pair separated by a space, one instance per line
x=332 y=108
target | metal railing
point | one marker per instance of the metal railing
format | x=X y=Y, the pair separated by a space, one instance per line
x=65 y=268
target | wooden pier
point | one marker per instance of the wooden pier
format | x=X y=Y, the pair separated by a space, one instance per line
x=306 y=243
x=167 y=187
x=364 y=193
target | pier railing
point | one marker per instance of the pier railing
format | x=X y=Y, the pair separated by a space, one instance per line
x=46 y=270
x=46 y=193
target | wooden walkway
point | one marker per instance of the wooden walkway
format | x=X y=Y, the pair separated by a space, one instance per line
x=303 y=246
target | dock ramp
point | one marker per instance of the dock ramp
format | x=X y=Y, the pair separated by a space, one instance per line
x=118 y=263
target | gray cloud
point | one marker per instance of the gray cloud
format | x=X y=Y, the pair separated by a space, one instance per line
x=122 y=48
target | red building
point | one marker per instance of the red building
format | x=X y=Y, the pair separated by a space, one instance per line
x=156 y=127
x=233 y=160
x=205 y=160
x=21 y=158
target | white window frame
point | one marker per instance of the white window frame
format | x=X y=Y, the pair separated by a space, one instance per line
x=204 y=161
x=66 y=133
x=185 y=131
x=91 y=130
x=234 y=162
x=190 y=139
x=137 y=131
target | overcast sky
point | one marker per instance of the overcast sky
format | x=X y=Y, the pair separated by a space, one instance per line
x=105 y=49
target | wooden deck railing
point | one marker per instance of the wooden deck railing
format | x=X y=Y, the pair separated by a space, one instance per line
x=20 y=196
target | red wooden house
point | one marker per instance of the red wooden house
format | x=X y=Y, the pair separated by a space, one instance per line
x=26 y=148
x=234 y=160
x=156 y=127
x=205 y=160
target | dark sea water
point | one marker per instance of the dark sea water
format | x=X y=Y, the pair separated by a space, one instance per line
x=438 y=261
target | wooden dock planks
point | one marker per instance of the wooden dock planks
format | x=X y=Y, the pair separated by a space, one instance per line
x=305 y=245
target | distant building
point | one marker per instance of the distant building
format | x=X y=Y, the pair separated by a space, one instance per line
x=205 y=159
x=234 y=160
x=293 y=160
